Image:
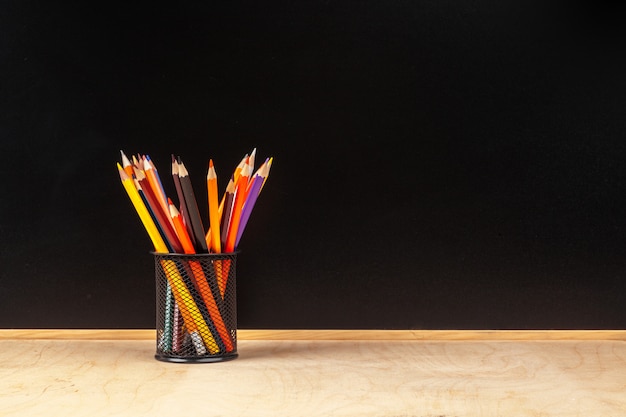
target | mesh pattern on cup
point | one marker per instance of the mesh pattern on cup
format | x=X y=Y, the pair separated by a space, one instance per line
x=196 y=316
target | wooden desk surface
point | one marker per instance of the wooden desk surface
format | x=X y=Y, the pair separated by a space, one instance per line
x=96 y=373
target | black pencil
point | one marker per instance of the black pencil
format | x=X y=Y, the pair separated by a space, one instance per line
x=228 y=204
x=192 y=209
x=181 y=199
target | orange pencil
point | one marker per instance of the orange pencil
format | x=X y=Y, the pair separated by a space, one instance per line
x=234 y=178
x=251 y=159
x=239 y=168
x=214 y=216
x=126 y=165
x=240 y=196
x=232 y=221
x=179 y=227
x=201 y=279
x=155 y=183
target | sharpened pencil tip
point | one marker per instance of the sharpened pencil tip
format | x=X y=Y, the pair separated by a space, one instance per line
x=125 y=160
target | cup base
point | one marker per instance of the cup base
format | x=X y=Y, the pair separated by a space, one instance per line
x=200 y=359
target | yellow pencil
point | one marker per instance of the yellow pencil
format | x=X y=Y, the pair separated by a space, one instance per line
x=189 y=309
x=142 y=211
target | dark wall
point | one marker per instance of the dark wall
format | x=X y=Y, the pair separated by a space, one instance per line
x=438 y=164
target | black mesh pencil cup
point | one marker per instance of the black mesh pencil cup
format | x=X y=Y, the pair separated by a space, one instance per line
x=196 y=307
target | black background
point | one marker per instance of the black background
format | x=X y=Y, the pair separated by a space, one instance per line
x=438 y=164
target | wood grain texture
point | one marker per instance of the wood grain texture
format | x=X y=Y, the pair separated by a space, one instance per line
x=408 y=378
x=248 y=334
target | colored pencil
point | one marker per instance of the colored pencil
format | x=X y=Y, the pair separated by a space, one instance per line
x=181 y=197
x=155 y=182
x=193 y=293
x=189 y=310
x=214 y=217
x=192 y=207
x=128 y=167
x=228 y=206
x=240 y=194
x=253 y=194
x=152 y=214
x=161 y=217
x=142 y=211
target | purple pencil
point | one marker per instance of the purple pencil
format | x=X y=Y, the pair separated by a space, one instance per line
x=249 y=205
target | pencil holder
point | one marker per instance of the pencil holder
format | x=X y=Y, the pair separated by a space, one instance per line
x=196 y=307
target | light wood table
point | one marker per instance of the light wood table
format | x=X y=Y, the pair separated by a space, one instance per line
x=317 y=373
